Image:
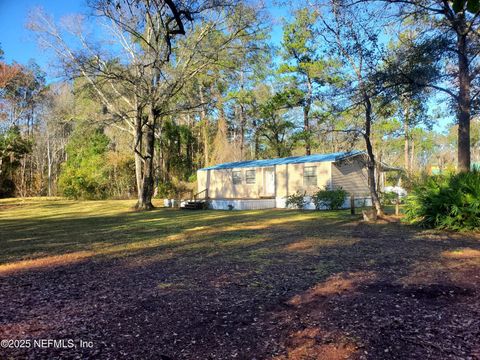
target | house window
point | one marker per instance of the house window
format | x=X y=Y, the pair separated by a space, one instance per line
x=250 y=177
x=310 y=176
x=237 y=177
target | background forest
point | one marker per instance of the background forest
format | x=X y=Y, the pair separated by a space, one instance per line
x=151 y=91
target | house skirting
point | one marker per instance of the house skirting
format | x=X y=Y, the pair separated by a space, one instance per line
x=241 y=204
x=360 y=201
x=279 y=203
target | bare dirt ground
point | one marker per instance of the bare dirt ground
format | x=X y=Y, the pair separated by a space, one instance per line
x=234 y=285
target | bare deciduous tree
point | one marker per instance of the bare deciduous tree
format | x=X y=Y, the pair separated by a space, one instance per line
x=145 y=65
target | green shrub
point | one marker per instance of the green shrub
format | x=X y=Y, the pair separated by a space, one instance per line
x=174 y=190
x=85 y=174
x=388 y=198
x=446 y=202
x=297 y=200
x=13 y=147
x=331 y=199
x=166 y=190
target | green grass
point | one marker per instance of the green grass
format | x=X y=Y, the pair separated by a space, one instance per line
x=35 y=228
x=87 y=267
x=39 y=232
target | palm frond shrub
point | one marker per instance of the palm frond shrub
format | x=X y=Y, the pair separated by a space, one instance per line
x=446 y=202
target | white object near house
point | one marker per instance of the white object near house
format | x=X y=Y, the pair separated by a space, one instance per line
x=401 y=192
x=263 y=184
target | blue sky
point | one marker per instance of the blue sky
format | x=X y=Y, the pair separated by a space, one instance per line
x=19 y=45
x=16 y=41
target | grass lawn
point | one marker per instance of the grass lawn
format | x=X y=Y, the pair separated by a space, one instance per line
x=270 y=284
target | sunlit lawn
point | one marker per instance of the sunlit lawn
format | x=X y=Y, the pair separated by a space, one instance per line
x=281 y=284
x=36 y=228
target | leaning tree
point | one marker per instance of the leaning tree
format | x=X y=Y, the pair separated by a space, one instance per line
x=349 y=36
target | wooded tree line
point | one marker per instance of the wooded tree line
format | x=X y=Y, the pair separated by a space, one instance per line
x=152 y=90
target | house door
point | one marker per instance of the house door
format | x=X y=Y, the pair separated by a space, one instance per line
x=269 y=182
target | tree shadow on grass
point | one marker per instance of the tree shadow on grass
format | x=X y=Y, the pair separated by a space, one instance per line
x=58 y=234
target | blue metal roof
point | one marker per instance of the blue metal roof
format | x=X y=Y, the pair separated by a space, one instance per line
x=288 y=160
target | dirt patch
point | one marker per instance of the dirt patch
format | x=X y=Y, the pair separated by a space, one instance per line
x=4 y=207
x=251 y=287
x=312 y=344
x=335 y=286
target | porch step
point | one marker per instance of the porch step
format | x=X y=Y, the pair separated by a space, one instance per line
x=194 y=205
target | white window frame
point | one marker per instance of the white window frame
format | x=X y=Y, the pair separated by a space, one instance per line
x=248 y=179
x=307 y=178
x=236 y=177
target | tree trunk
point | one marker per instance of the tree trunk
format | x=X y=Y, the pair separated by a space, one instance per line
x=146 y=191
x=222 y=147
x=256 y=140
x=206 y=126
x=371 y=157
x=1 y=170
x=23 y=173
x=49 y=166
x=412 y=156
x=463 y=115
x=138 y=148
x=243 y=124
x=306 y=115
x=406 y=149
x=378 y=167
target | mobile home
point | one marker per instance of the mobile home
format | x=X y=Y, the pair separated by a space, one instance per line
x=263 y=184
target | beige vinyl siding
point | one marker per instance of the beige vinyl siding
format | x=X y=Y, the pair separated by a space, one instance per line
x=221 y=186
x=289 y=179
x=281 y=180
x=202 y=181
x=296 y=179
x=350 y=176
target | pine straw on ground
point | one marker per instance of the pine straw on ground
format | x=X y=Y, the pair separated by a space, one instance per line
x=278 y=285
